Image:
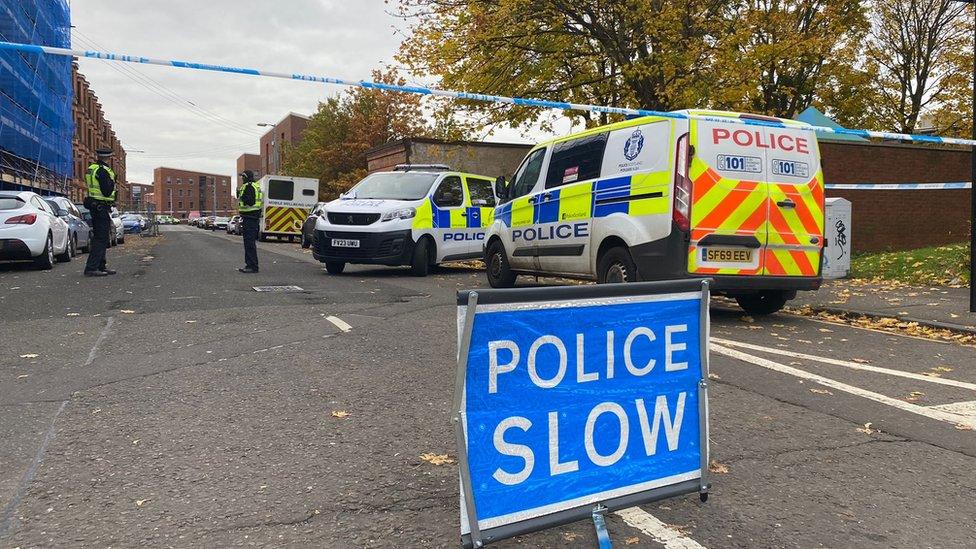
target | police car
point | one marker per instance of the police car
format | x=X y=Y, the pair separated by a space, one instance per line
x=656 y=198
x=416 y=215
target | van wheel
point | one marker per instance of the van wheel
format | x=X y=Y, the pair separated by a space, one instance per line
x=420 y=265
x=45 y=261
x=499 y=272
x=765 y=302
x=335 y=267
x=263 y=237
x=616 y=266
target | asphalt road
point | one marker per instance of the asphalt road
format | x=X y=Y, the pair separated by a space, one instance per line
x=172 y=405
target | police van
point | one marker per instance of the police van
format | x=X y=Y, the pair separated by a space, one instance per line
x=416 y=215
x=657 y=198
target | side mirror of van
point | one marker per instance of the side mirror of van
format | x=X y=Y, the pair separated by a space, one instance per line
x=501 y=187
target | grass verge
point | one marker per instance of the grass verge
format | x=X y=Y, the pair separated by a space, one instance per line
x=937 y=266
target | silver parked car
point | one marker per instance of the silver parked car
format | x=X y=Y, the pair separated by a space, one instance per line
x=79 y=232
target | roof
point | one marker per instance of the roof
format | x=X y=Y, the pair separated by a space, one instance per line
x=814 y=117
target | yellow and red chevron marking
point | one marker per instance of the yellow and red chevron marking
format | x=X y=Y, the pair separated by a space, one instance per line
x=795 y=235
x=725 y=206
x=284 y=219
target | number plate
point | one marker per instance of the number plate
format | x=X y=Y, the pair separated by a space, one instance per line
x=727 y=255
x=344 y=243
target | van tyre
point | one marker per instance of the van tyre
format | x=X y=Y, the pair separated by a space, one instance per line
x=335 y=267
x=499 y=271
x=45 y=261
x=420 y=264
x=616 y=266
x=765 y=302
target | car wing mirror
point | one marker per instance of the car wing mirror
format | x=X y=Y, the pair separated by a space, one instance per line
x=501 y=188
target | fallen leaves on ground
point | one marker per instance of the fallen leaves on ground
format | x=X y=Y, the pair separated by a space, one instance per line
x=73 y=314
x=914 y=395
x=747 y=318
x=888 y=324
x=867 y=430
x=190 y=321
x=436 y=459
x=962 y=427
x=141 y=502
x=716 y=467
x=632 y=541
x=340 y=414
x=570 y=536
x=713 y=376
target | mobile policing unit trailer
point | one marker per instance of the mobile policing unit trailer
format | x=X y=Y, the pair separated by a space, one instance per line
x=287 y=202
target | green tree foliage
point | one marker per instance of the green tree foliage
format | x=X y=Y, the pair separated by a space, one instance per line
x=333 y=147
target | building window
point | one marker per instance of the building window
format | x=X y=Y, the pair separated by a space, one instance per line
x=179 y=204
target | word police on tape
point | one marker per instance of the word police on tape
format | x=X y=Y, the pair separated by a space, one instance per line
x=574 y=398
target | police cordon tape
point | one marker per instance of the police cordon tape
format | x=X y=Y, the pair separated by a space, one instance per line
x=518 y=101
x=900 y=186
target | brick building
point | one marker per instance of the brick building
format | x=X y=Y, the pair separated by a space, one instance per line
x=179 y=192
x=93 y=131
x=248 y=161
x=140 y=193
x=286 y=132
x=490 y=159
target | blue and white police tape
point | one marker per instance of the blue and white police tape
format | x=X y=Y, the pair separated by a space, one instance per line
x=519 y=101
x=900 y=186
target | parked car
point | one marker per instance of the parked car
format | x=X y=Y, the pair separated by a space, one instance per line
x=207 y=222
x=220 y=223
x=234 y=225
x=132 y=223
x=79 y=231
x=119 y=232
x=308 y=227
x=30 y=230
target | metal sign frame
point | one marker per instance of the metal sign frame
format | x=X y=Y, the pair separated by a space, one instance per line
x=469 y=301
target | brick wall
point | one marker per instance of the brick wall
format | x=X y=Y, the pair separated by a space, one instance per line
x=904 y=219
x=489 y=159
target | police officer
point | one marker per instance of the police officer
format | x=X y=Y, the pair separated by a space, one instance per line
x=249 y=202
x=100 y=180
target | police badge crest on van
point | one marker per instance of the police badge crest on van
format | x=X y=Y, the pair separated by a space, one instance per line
x=658 y=198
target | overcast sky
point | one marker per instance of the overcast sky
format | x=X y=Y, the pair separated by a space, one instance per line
x=149 y=109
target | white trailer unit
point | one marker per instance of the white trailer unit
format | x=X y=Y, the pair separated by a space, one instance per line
x=287 y=202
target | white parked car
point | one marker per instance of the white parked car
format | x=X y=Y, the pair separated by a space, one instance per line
x=30 y=230
x=118 y=235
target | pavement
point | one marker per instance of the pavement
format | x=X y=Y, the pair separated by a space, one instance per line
x=173 y=406
x=934 y=306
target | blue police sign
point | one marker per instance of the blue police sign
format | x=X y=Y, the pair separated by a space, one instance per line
x=569 y=398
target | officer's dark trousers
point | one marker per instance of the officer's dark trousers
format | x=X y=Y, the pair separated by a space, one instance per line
x=101 y=225
x=251 y=227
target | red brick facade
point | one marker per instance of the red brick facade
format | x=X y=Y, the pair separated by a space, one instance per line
x=93 y=131
x=273 y=143
x=902 y=219
x=179 y=192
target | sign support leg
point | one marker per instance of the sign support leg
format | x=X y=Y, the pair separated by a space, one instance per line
x=602 y=535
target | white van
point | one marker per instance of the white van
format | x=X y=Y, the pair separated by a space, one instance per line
x=656 y=198
x=287 y=202
x=416 y=215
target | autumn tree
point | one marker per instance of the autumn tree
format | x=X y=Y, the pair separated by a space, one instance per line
x=334 y=145
x=781 y=56
x=923 y=53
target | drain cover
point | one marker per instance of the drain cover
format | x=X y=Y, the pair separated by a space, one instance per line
x=278 y=289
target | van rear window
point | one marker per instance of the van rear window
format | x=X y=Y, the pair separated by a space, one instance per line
x=576 y=160
x=279 y=189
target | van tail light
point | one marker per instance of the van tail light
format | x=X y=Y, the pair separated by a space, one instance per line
x=682 y=186
x=26 y=219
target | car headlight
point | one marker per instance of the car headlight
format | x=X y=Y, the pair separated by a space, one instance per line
x=405 y=213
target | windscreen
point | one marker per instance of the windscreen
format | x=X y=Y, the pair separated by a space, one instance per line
x=394 y=186
x=9 y=203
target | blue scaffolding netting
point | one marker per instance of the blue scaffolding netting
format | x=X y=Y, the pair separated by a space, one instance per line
x=36 y=123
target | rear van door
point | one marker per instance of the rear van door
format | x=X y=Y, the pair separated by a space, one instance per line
x=730 y=199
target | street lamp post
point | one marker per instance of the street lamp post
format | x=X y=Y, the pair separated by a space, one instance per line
x=972 y=187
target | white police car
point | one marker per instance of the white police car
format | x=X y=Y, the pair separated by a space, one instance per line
x=416 y=215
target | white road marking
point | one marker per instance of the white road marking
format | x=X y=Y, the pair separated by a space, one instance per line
x=848 y=364
x=339 y=323
x=834 y=384
x=666 y=535
x=965 y=409
x=100 y=340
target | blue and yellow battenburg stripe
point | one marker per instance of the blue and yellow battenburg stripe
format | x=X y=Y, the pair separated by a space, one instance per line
x=429 y=216
x=632 y=195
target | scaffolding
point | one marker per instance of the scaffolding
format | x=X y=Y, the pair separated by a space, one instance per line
x=36 y=92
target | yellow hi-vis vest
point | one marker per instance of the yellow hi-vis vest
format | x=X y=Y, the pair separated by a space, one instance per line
x=94 y=189
x=258 y=198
